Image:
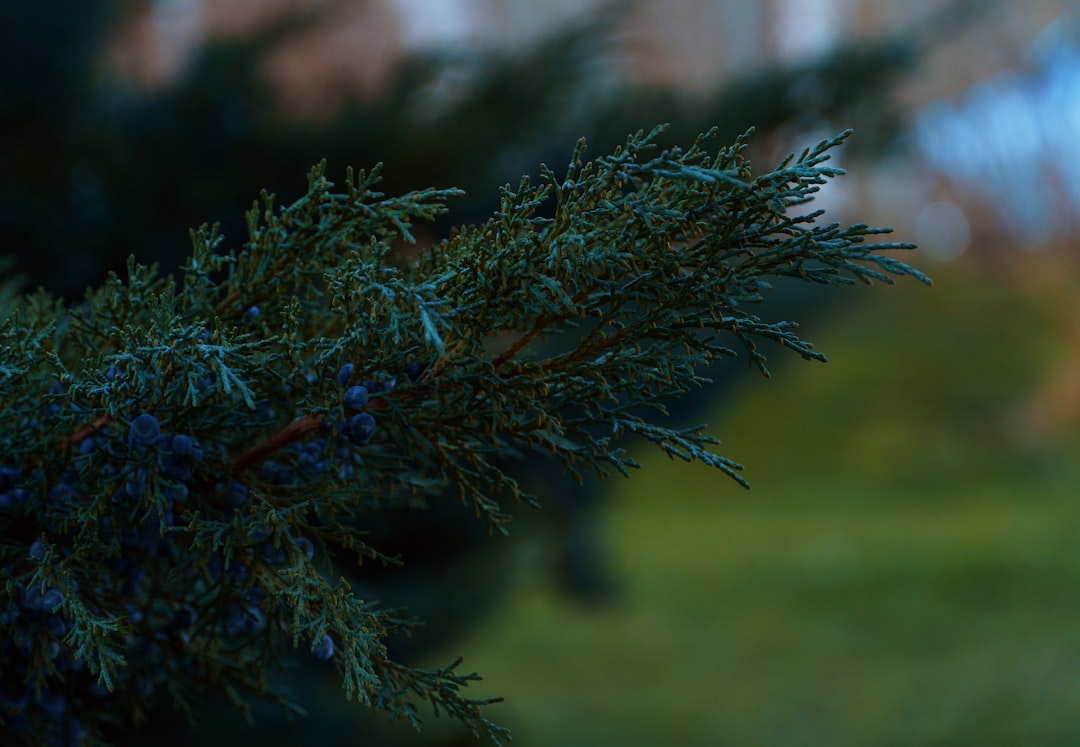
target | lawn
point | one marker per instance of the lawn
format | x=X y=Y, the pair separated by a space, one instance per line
x=905 y=570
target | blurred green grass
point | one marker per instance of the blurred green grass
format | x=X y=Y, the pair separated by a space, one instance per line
x=905 y=571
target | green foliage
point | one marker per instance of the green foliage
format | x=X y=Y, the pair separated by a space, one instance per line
x=188 y=466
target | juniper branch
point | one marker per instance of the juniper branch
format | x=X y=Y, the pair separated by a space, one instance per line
x=175 y=456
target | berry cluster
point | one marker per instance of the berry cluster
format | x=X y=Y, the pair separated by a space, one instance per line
x=358 y=427
x=13 y=491
x=143 y=479
x=141 y=483
x=303 y=461
x=33 y=653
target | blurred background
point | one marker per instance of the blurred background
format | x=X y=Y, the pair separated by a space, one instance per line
x=905 y=570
